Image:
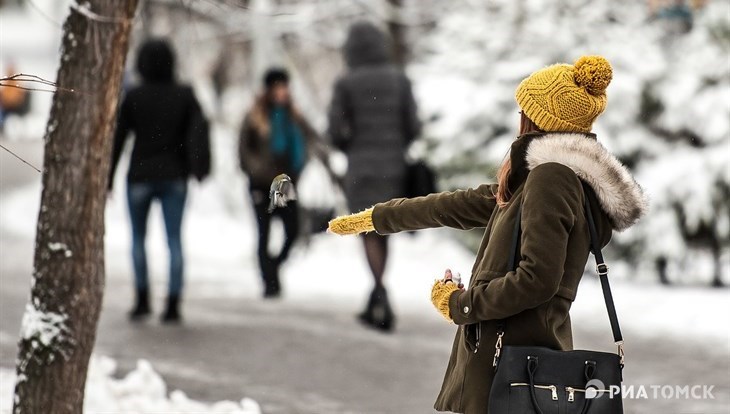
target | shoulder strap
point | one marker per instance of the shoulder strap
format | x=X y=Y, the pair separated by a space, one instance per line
x=601 y=266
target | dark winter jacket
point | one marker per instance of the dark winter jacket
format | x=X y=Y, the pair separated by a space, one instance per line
x=171 y=132
x=372 y=118
x=254 y=147
x=535 y=299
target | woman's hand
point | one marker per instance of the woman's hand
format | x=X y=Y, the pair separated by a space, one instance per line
x=361 y=222
x=448 y=276
x=442 y=290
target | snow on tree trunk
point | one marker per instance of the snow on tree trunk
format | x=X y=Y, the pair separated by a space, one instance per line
x=59 y=326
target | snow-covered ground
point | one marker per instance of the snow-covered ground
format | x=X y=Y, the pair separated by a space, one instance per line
x=140 y=391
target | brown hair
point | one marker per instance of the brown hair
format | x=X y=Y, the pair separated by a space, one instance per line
x=503 y=193
x=261 y=111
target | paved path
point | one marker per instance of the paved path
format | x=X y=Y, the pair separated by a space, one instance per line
x=314 y=359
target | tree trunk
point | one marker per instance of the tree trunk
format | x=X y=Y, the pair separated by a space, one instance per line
x=59 y=325
x=397 y=32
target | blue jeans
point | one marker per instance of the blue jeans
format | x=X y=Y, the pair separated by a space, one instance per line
x=171 y=194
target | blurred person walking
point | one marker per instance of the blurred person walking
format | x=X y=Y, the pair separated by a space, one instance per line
x=170 y=144
x=373 y=119
x=555 y=173
x=274 y=139
x=14 y=100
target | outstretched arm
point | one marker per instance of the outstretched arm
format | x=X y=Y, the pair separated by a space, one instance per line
x=461 y=209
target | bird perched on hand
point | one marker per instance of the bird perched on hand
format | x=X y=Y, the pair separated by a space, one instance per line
x=282 y=191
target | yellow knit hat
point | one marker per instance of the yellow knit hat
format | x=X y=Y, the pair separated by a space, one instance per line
x=566 y=97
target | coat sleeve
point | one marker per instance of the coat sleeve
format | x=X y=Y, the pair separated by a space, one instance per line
x=462 y=209
x=246 y=145
x=197 y=139
x=340 y=118
x=552 y=202
x=124 y=126
x=411 y=123
x=316 y=147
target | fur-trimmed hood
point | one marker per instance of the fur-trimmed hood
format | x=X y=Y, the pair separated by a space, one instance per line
x=619 y=194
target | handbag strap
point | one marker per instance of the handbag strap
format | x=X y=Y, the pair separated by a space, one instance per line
x=601 y=269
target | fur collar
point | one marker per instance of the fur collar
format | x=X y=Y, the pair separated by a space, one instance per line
x=617 y=191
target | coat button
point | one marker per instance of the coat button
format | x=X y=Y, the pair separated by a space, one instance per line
x=466 y=309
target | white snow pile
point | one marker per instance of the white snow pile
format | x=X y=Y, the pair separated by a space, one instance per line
x=140 y=391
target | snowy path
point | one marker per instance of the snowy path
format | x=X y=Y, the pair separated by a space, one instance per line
x=306 y=354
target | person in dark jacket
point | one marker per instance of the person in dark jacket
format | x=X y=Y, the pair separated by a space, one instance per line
x=170 y=144
x=373 y=119
x=275 y=139
x=542 y=175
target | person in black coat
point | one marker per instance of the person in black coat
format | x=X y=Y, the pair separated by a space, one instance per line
x=372 y=119
x=171 y=144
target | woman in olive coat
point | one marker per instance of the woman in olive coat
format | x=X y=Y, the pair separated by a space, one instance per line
x=554 y=152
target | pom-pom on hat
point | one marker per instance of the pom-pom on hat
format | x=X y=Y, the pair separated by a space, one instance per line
x=566 y=97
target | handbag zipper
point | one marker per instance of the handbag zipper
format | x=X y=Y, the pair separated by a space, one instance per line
x=571 y=392
x=553 y=389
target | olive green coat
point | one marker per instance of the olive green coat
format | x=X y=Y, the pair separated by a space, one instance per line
x=535 y=299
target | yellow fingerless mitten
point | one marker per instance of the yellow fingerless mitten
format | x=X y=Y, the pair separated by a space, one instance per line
x=361 y=222
x=440 y=295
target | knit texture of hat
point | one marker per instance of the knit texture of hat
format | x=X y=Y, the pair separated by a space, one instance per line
x=566 y=97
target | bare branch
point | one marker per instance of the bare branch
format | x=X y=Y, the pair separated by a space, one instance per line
x=26 y=89
x=44 y=14
x=23 y=77
x=20 y=158
x=85 y=11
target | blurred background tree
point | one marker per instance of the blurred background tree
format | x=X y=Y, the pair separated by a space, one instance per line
x=668 y=116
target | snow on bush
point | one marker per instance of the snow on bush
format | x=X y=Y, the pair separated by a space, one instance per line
x=140 y=391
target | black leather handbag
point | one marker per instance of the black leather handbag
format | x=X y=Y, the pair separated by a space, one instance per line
x=420 y=180
x=539 y=380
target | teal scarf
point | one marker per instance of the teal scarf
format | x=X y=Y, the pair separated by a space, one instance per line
x=287 y=139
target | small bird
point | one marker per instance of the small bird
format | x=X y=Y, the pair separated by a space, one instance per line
x=282 y=191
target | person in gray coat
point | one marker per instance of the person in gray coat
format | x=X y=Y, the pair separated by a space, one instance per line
x=373 y=119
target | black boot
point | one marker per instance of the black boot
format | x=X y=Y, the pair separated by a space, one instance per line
x=142 y=308
x=172 y=313
x=378 y=312
x=272 y=287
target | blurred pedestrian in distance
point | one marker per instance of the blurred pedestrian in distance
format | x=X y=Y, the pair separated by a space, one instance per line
x=372 y=119
x=171 y=143
x=13 y=99
x=274 y=139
